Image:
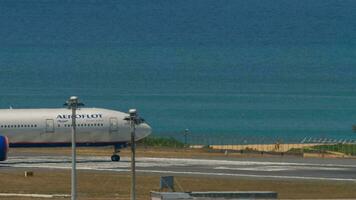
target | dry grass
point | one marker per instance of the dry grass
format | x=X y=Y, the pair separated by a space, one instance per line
x=162 y=152
x=105 y=185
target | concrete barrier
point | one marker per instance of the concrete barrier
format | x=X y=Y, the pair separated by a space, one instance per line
x=236 y=195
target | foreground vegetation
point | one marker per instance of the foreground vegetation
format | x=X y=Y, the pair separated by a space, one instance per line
x=348 y=149
x=154 y=141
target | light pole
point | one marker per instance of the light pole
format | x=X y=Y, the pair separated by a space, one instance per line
x=73 y=103
x=186 y=132
x=133 y=121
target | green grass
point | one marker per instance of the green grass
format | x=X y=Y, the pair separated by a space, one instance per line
x=348 y=149
x=161 y=142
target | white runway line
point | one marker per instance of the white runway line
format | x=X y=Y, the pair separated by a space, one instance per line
x=236 y=162
x=47 y=196
x=281 y=168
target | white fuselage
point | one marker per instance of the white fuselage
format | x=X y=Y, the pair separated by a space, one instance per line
x=41 y=127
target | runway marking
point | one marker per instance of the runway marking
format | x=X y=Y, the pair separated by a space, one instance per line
x=238 y=162
x=279 y=168
x=96 y=163
x=47 y=196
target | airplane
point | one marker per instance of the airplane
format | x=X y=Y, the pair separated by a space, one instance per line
x=53 y=128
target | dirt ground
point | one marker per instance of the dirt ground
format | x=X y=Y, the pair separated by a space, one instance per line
x=105 y=185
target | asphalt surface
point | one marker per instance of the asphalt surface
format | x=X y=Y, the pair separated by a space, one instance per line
x=255 y=168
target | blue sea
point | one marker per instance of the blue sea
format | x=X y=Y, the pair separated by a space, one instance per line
x=234 y=68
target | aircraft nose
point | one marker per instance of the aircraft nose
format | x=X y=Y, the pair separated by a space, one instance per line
x=143 y=130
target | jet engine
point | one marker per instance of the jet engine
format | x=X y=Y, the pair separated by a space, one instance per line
x=4 y=147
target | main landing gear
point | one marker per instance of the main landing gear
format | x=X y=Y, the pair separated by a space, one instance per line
x=115 y=157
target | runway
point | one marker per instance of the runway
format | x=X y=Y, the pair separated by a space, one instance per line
x=261 y=168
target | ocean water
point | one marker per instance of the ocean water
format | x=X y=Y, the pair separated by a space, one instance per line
x=262 y=69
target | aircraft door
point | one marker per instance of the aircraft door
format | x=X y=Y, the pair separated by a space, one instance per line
x=113 y=125
x=49 y=126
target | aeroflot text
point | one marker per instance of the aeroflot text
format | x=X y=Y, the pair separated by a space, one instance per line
x=81 y=116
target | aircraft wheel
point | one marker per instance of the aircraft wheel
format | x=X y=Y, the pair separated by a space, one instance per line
x=115 y=158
